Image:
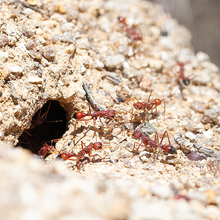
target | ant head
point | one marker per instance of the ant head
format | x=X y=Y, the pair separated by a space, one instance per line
x=138 y=105
x=121 y=19
x=46 y=149
x=170 y=149
x=78 y=115
x=180 y=64
x=110 y=114
x=186 y=81
x=137 y=134
x=97 y=145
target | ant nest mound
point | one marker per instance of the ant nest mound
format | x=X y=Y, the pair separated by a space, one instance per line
x=114 y=92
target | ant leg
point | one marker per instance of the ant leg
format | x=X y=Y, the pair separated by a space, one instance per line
x=28 y=133
x=150 y=95
x=165 y=133
x=136 y=149
x=89 y=108
x=156 y=142
x=83 y=144
x=95 y=135
x=44 y=116
x=131 y=99
x=98 y=156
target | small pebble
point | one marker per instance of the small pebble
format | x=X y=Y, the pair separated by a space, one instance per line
x=128 y=163
x=28 y=11
x=66 y=37
x=3 y=40
x=3 y=56
x=15 y=69
x=194 y=156
x=99 y=64
x=199 y=196
x=156 y=64
x=162 y=191
x=30 y=44
x=164 y=33
x=197 y=106
x=32 y=2
x=83 y=43
x=35 y=79
x=50 y=53
x=113 y=61
x=208 y=134
x=201 y=56
x=190 y=136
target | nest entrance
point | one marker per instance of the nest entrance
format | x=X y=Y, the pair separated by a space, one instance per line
x=49 y=123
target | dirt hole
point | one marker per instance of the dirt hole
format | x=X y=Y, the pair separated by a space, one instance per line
x=49 y=123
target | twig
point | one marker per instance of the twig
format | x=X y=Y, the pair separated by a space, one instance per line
x=91 y=98
x=30 y=6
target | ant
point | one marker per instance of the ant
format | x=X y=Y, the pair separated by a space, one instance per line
x=181 y=77
x=185 y=79
x=46 y=149
x=81 y=154
x=131 y=32
x=153 y=144
x=109 y=113
x=148 y=105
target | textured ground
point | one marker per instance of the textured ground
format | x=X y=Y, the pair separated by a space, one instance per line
x=46 y=55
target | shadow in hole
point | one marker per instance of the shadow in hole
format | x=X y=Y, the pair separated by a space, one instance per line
x=53 y=127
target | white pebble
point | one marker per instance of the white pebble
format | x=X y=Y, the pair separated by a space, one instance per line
x=15 y=69
x=35 y=79
x=156 y=64
x=208 y=134
x=190 y=135
x=83 y=43
x=162 y=191
x=113 y=61
x=99 y=64
x=3 y=56
x=201 y=56
x=128 y=163
x=28 y=11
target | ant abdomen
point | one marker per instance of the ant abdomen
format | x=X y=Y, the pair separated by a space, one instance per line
x=170 y=149
x=186 y=81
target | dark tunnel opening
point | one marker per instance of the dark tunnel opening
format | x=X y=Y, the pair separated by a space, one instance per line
x=49 y=123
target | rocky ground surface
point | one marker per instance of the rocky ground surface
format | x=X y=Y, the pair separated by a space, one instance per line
x=49 y=50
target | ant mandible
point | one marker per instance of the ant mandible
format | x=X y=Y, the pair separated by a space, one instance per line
x=148 y=105
x=146 y=141
x=47 y=149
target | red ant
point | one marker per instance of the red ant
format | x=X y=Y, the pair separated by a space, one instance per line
x=81 y=154
x=129 y=30
x=148 y=105
x=46 y=149
x=153 y=144
x=79 y=116
x=185 y=79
